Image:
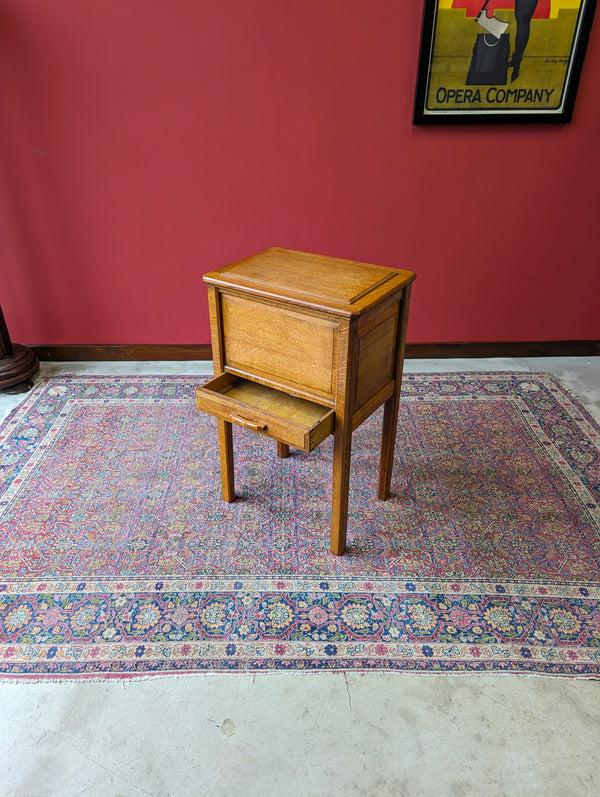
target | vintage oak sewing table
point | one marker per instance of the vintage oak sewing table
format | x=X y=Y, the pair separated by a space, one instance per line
x=305 y=346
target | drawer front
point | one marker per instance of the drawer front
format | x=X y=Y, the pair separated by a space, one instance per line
x=280 y=345
x=297 y=422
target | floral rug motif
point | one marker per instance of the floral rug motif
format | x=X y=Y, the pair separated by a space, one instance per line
x=119 y=558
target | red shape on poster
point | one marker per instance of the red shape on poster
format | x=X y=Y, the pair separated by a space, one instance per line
x=473 y=7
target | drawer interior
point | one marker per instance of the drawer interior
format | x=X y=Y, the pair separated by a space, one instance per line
x=293 y=420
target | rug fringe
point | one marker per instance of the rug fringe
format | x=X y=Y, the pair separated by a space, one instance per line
x=22 y=680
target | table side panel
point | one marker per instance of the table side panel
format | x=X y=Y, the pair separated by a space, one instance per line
x=376 y=359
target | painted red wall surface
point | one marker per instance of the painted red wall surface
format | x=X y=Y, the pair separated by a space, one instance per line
x=145 y=142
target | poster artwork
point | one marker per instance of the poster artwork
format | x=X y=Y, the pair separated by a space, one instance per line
x=501 y=56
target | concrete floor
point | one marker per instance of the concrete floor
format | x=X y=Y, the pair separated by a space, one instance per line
x=307 y=733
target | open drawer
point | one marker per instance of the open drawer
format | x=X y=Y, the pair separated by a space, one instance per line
x=289 y=419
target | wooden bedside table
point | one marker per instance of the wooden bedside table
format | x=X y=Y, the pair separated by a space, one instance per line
x=305 y=346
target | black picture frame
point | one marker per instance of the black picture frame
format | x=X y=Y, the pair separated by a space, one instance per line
x=473 y=72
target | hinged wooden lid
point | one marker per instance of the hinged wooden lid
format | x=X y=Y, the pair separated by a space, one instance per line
x=312 y=279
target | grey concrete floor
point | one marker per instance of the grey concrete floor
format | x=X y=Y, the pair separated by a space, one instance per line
x=307 y=733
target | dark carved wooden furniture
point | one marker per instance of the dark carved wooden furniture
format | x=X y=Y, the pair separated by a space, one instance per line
x=18 y=365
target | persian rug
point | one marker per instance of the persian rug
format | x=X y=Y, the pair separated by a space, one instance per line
x=119 y=558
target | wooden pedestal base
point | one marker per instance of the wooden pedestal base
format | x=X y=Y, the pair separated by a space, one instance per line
x=17 y=370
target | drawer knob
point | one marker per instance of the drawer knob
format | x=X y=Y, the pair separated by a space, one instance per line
x=256 y=427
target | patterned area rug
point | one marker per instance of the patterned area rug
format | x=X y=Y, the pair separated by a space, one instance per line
x=118 y=557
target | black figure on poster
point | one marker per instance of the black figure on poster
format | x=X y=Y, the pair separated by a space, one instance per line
x=524 y=11
x=490 y=61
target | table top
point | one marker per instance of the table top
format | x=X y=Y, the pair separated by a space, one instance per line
x=334 y=284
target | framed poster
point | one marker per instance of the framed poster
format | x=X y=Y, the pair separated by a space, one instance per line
x=501 y=60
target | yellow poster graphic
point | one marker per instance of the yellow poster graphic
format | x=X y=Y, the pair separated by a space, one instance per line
x=502 y=59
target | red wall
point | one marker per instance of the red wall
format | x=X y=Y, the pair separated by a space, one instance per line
x=144 y=142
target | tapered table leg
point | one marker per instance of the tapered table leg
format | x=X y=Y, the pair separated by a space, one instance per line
x=226 y=456
x=283 y=450
x=388 y=441
x=342 y=449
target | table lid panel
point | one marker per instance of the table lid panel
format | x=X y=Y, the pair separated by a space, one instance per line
x=286 y=272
